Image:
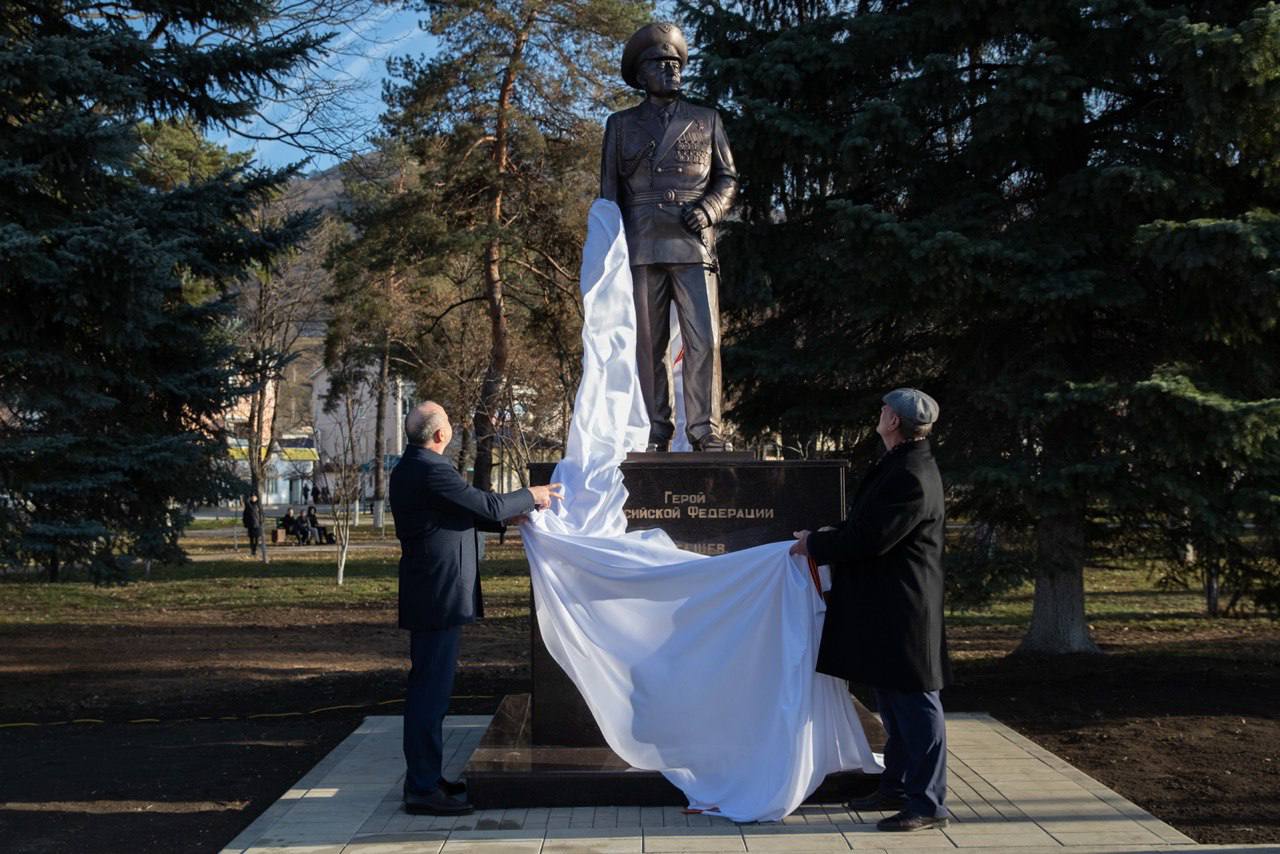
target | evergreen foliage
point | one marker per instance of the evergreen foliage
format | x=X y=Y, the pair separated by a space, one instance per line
x=1060 y=218
x=504 y=120
x=111 y=380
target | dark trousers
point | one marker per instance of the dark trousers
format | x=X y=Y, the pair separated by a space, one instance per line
x=695 y=290
x=434 y=656
x=915 y=756
x=255 y=536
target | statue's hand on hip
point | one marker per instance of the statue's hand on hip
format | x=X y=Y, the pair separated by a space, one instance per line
x=695 y=218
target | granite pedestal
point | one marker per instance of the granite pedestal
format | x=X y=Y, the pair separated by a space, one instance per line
x=545 y=749
x=508 y=770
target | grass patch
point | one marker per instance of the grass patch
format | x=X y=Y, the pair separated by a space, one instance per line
x=217 y=538
x=240 y=585
x=1116 y=600
x=1120 y=603
x=214 y=524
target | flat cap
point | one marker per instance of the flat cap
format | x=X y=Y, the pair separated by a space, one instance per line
x=914 y=404
x=648 y=42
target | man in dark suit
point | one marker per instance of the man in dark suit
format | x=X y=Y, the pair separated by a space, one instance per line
x=437 y=517
x=668 y=166
x=884 y=614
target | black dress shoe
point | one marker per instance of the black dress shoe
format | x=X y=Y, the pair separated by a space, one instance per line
x=657 y=447
x=435 y=803
x=907 y=822
x=711 y=443
x=451 y=787
x=876 y=801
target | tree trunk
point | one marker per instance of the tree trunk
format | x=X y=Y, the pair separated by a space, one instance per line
x=398 y=388
x=258 y=457
x=53 y=567
x=254 y=446
x=256 y=487
x=380 y=441
x=486 y=420
x=1211 y=589
x=1058 y=623
x=263 y=539
x=464 y=451
x=565 y=409
x=486 y=415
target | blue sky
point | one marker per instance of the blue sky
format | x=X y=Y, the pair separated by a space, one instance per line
x=360 y=54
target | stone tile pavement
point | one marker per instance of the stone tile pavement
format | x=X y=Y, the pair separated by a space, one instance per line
x=1006 y=794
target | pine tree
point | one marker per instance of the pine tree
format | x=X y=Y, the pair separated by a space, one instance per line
x=514 y=85
x=111 y=379
x=373 y=301
x=1061 y=218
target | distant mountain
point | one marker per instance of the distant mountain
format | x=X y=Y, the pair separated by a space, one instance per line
x=321 y=189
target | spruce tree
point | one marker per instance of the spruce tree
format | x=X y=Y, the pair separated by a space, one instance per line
x=111 y=379
x=1061 y=219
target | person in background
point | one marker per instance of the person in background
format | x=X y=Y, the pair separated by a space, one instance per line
x=252 y=519
x=315 y=531
x=292 y=525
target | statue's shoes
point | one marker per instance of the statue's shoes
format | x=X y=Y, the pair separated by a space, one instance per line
x=711 y=443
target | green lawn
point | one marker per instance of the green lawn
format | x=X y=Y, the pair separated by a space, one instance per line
x=214 y=524
x=1118 y=600
x=300 y=581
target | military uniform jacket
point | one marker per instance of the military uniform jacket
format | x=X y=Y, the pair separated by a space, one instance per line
x=653 y=173
x=884 y=614
x=438 y=517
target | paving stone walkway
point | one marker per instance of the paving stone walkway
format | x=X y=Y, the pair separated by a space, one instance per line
x=1006 y=794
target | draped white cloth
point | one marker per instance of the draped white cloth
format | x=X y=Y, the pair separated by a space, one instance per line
x=699 y=667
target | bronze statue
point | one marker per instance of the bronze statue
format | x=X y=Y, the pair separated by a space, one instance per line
x=668 y=166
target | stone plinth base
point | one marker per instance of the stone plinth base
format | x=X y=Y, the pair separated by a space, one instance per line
x=508 y=771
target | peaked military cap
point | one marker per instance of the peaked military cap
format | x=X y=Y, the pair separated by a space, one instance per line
x=650 y=42
x=914 y=404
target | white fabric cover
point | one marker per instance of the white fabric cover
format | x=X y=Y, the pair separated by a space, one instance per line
x=699 y=667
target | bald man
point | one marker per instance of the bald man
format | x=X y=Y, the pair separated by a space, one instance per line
x=438 y=517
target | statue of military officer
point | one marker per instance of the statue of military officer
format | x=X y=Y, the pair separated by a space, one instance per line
x=667 y=164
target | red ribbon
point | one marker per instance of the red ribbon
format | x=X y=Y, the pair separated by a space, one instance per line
x=817 y=578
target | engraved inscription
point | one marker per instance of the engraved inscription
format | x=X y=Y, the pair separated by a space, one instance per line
x=693 y=505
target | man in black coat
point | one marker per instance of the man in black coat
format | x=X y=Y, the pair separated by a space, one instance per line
x=884 y=614
x=252 y=519
x=437 y=517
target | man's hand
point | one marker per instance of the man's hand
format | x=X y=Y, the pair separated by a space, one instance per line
x=801 y=545
x=516 y=520
x=542 y=495
x=695 y=218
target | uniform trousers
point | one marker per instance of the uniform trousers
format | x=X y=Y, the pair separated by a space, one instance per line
x=915 y=756
x=694 y=289
x=434 y=657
